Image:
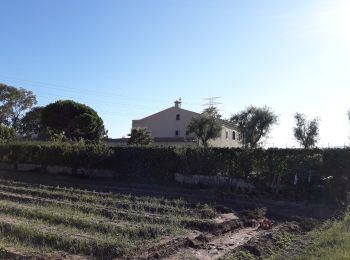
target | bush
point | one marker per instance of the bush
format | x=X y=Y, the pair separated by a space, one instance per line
x=60 y=154
x=7 y=133
x=299 y=174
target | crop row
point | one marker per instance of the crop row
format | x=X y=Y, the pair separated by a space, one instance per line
x=140 y=206
x=133 y=217
x=178 y=203
x=85 y=221
x=106 y=225
x=37 y=235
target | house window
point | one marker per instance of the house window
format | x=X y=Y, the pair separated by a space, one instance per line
x=178 y=117
x=177 y=132
x=226 y=135
x=187 y=133
x=233 y=135
x=239 y=137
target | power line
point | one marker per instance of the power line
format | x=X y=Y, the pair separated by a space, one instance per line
x=124 y=107
x=60 y=87
x=98 y=102
x=211 y=102
x=115 y=95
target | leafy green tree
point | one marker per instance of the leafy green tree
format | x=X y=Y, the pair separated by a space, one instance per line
x=6 y=133
x=254 y=123
x=306 y=132
x=74 y=120
x=206 y=126
x=140 y=136
x=14 y=102
x=212 y=111
x=31 y=123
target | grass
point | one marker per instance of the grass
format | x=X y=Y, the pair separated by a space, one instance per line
x=132 y=216
x=89 y=222
x=329 y=242
x=39 y=219
x=121 y=202
x=37 y=236
x=243 y=255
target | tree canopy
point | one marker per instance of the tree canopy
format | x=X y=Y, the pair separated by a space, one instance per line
x=254 y=123
x=140 y=136
x=206 y=126
x=31 y=123
x=306 y=132
x=6 y=133
x=212 y=111
x=13 y=104
x=74 y=120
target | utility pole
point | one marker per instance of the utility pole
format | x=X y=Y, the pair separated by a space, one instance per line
x=211 y=102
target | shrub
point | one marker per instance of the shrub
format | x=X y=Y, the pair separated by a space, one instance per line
x=7 y=133
x=140 y=136
x=300 y=174
x=61 y=154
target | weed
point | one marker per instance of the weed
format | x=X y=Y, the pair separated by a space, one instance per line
x=242 y=255
x=43 y=218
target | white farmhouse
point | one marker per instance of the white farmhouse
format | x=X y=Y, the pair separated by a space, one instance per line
x=169 y=127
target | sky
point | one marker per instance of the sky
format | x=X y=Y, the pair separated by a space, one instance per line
x=130 y=59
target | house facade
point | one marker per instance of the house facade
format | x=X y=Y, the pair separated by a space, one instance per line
x=169 y=127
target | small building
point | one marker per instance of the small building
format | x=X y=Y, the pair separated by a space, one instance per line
x=169 y=127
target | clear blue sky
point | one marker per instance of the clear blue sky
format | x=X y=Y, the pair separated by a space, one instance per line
x=128 y=59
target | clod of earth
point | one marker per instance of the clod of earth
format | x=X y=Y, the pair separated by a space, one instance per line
x=265 y=224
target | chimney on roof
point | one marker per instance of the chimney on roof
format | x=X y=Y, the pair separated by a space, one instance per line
x=178 y=103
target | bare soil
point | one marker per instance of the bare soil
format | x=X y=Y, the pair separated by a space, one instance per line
x=238 y=227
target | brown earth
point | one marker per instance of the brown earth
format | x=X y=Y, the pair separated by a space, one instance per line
x=238 y=227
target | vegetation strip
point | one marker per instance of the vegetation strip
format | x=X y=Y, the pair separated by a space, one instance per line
x=174 y=202
x=119 y=204
x=135 y=232
x=330 y=242
x=26 y=234
x=78 y=222
x=132 y=216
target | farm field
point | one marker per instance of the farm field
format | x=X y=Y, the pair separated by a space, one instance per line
x=331 y=241
x=62 y=217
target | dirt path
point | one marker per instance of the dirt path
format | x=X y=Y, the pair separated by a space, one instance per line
x=217 y=247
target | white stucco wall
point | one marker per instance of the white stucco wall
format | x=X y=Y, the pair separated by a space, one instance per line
x=164 y=125
x=222 y=141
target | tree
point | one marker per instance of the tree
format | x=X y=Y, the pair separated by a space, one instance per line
x=254 y=123
x=212 y=111
x=306 y=132
x=74 y=120
x=206 y=126
x=13 y=103
x=140 y=136
x=6 y=133
x=31 y=123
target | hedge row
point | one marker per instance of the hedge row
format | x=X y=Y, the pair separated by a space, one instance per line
x=6 y=133
x=56 y=154
x=316 y=172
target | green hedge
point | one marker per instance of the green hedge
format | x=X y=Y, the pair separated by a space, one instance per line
x=6 y=133
x=321 y=173
x=61 y=154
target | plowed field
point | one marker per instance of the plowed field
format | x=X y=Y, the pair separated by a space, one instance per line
x=68 y=218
